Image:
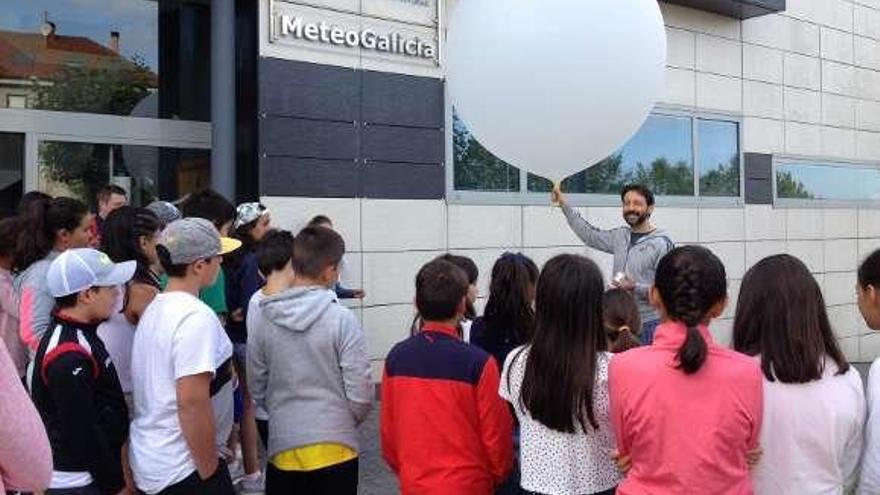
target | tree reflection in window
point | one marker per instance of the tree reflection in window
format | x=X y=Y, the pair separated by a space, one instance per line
x=830 y=181
x=660 y=155
x=788 y=187
x=477 y=169
x=718 y=157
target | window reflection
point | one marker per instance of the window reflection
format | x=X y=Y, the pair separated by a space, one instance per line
x=477 y=169
x=827 y=182
x=659 y=155
x=80 y=169
x=141 y=58
x=719 y=157
x=91 y=56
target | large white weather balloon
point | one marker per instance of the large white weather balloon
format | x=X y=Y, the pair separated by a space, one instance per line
x=554 y=86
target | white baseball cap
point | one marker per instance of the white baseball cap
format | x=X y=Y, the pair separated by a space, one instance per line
x=76 y=270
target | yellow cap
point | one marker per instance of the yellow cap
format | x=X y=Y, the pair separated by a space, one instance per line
x=228 y=245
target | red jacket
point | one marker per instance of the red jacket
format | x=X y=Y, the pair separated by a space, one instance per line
x=445 y=430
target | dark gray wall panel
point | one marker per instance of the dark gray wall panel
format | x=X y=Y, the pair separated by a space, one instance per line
x=306 y=90
x=284 y=176
x=402 y=144
x=403 y=181
x=739 y=9
x=402 y=100
x=281 y=136
x=330 y=131
x=758 y=169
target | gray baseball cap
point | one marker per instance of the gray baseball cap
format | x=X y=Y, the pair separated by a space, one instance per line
x=166 y=211
x=78 y=269
x=191 y=239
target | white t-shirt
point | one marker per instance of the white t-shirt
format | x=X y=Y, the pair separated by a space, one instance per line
x=869 y=484
x=178 y=336
x=252 y=322
x=117 y=333
x=811 y=435
x=559 y=463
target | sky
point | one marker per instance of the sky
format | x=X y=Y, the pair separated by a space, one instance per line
x=826 y=182
x=136 y=21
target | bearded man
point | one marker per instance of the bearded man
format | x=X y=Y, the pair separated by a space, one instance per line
x=637 y=247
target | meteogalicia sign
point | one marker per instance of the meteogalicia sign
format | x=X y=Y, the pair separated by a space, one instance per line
x=322 y=32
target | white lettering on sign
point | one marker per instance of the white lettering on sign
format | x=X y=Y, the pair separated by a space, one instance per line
x=365 y=38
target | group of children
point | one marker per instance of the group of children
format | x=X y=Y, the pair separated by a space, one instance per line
x=579 y=407
x=143 y=356
x=135 y=355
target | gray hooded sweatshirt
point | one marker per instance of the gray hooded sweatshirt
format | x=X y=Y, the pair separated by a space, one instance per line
x=638 y=260
x=308 y=367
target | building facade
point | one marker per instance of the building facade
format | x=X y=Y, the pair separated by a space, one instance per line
x=766 y=139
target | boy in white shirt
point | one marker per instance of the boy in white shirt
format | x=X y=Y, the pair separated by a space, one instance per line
x=181 y=370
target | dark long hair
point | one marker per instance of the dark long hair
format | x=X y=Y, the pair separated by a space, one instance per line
x=31 y=198
x=472 y=272
x=690 y=280
x=121 y=234
x=619 y=311
x=509 y=314
x=40 y=223
x=869 y=271
x=781 y=316
x=558 y=385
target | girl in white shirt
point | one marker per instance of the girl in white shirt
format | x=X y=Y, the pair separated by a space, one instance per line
x=868 y=288
x=814 y=407
x=558 y=385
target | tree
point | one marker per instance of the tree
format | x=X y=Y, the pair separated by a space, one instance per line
x=666 y=179
x=475 y=167
x=721 y=181
x=788 y=187
x=112 y=89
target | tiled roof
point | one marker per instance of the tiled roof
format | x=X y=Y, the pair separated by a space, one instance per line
x=26 y=55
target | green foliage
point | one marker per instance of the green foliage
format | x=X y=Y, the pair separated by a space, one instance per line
x=788 y=187
x=114 y=89
x=477 y=169
x=721 y=181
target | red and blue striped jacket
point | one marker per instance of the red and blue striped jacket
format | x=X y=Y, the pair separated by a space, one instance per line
x=445 y=429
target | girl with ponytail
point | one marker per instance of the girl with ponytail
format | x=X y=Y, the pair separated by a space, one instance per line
x=687 y=412
x=623 y=324
x=48 y=227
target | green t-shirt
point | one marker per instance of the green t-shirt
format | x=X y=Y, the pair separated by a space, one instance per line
x=214 y=295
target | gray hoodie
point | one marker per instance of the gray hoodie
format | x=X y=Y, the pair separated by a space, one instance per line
x=638 y=260
x=308 y=367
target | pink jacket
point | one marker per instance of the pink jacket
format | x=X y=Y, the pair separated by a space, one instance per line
x=25 y=456
x=9 y=324
x=686 y=433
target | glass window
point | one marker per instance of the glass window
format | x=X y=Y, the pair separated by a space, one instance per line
x=104 y=56
x=827 y=181
x=16 y=101
x=147 y=173
x=662 y=154
x=719 y=157
x=476 y=169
